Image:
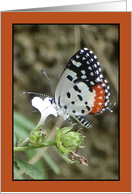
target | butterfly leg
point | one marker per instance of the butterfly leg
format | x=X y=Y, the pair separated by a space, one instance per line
x=83 y=120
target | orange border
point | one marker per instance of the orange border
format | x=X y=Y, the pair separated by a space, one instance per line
x=124 y=184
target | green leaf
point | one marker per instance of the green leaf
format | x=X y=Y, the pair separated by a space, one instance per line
x=20 y=132
x=23 y=121
x=63 y=150
x=57 y=138
x=31 y=170
x=15 y=140
x=17 y=174
x=64 y=130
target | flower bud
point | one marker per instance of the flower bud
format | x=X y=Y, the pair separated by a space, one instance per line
x=67 y=140
x=36 y=137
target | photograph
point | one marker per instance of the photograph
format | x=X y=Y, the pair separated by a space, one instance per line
x=69 y=73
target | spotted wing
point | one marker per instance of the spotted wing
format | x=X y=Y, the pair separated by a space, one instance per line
x=81 y=89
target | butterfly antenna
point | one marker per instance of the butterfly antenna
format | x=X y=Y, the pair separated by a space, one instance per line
x=34 y=93
x=48 y=82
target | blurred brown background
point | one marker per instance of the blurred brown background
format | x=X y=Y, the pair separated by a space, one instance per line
x=50 y=47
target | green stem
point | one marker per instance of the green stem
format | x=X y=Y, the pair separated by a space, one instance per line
x=18 y=149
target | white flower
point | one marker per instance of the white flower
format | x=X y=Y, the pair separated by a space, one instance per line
x=45 y=107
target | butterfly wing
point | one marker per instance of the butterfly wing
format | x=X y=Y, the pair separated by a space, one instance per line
x=81 y=89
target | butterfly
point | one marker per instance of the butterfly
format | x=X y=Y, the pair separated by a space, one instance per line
x=81 y=89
